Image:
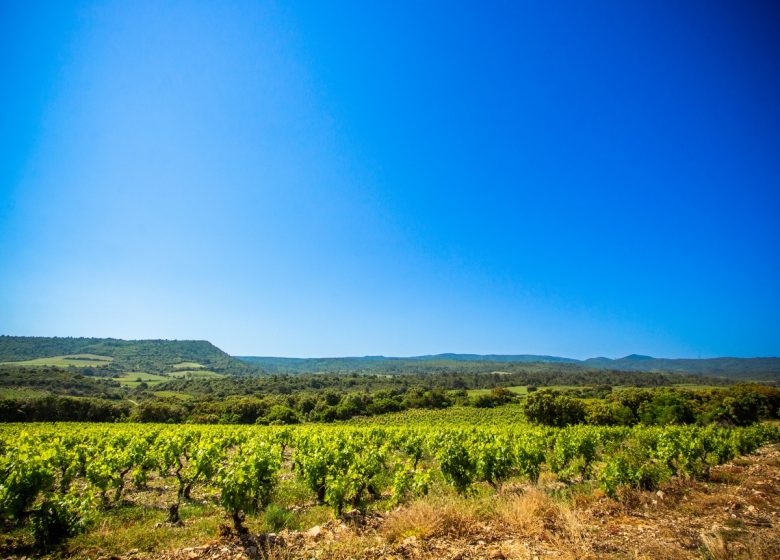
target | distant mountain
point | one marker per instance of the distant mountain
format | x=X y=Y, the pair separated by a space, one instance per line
x=154 y=356
x=361 y=364
x=762 y=369
x=637 y=357
x=125 y=355
x=361 y=360
x=394 y=365
x=512 y=358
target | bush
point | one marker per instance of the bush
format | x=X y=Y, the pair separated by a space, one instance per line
x=667 y=407
x=632 y=399
x=743 y=405
x=278 y=518
x=58 y=519
x=630 y=469
x=157 y=411
x=601 y=413
x=482 y=401
x=496 y=397
x=383 y=406
x=554 y=409
x=280 y=414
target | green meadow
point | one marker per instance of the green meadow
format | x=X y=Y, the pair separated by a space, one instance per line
x=135 y=378
x=75 y=360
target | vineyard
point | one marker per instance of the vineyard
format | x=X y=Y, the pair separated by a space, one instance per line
x=57 y=479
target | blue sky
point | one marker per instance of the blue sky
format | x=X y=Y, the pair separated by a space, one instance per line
x=400 y=178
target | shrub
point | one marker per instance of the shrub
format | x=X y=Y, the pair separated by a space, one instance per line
x=601 y=413
x=667 y=407
x=58 y=519
x=280 y=414
x=278 y=518
x=554 y=409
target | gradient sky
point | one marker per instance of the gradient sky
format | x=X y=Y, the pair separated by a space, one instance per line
x=338 y=178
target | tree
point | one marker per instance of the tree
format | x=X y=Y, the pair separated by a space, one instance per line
x=667 y=407
x=554 y=409
x=280 y=414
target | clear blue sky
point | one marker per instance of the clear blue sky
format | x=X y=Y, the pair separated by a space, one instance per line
x=399 y=178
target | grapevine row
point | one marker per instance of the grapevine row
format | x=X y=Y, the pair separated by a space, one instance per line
x=58 y=476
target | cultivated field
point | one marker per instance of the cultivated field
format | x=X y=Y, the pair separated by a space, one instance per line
x=502 y=488
x=75 y=360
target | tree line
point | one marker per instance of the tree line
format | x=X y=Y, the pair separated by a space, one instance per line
x=740 y=405
x=736 y=405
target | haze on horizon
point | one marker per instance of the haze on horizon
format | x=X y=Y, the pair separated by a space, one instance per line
x=399 y=180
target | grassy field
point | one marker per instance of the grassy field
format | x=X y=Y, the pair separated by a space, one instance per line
x=76 y=360
x=188 y=365
x=14 y=393
x=522 y=390
x=519 y=390
x=195 y=374
x=134 y=378
x=173 y=394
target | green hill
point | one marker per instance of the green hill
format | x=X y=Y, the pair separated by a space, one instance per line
x=199 y=358
x=760 y=369
x=114 y=355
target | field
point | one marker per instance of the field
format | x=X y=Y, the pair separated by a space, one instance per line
x=518 y=390
x=188 y=365
x=195 y=374
x=193 y=463
x=174 y=394
x=99 y=489
x=456 y=416
x=24 y=393
x=75 y=360
x=135 y=378
x=182 y=370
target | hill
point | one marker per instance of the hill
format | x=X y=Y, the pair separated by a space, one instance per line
x=441 y=363
x=115 y=355
x=511 y=358
x=761 y=369
x=196 y=358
